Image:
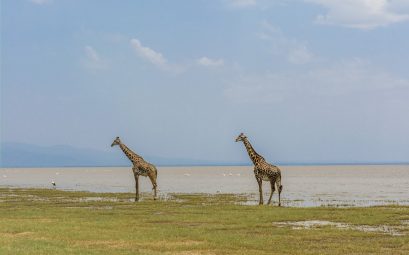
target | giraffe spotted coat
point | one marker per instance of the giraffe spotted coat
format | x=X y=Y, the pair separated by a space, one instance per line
x=266 y=171
x=263 y=171
x=140 y=167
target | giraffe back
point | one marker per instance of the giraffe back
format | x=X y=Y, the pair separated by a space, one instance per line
x=145 y=168
x=266 y=171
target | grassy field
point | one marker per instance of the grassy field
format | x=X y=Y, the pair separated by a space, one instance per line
x=36 y=221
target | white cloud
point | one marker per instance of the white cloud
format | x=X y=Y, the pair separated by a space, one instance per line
x=354 y=77
x=92 y=59
x=295 y=52
x=254 y=4
x=240 y=3
x=299 y=55
x=148 y=54
x=41 y=2
x=91 y=54
x=362 y=14
x=204 y=61
x=156 y=58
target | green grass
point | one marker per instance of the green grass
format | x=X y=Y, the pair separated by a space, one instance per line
x=39 y=221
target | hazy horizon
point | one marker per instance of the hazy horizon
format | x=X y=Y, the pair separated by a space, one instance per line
x=306 y=81
x=29 y=156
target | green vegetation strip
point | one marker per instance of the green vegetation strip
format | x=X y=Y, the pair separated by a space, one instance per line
x=40 y=221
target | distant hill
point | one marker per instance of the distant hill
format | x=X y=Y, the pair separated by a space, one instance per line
x=28 y=155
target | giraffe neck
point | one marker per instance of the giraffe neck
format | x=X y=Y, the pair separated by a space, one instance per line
x=130 y=154
x=254 y=156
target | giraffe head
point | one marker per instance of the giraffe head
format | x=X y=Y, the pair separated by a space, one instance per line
x=241 y=137
x=117 y=141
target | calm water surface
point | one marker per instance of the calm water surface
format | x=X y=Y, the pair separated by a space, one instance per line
x=352 y=185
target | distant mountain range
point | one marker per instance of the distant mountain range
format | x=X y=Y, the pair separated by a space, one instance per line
x=28 y=155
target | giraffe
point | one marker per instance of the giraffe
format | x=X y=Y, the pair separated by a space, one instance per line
x=263 y=171
x=140 y=167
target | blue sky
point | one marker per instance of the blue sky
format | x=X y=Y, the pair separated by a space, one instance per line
x=306 y=80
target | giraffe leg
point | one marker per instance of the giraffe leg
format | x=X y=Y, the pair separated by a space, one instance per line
x=153 y=180
x=280 y=188
x=272 y=191
x=260 y=190
x=136 y=187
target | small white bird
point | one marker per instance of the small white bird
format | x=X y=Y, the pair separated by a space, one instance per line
x=230 y=174
x=238 y=174
x=186 y=174
x=4 y=176
x=53 y=183
x=224 y=174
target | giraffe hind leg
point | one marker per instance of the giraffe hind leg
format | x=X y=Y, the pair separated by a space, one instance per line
x=154 y=185
x=272 y=191
x=280 y=188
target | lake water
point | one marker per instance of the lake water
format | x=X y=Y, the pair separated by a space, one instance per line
x=333 y=185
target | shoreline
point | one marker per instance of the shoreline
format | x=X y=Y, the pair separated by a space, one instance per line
x=221 y=165
x=303 y=185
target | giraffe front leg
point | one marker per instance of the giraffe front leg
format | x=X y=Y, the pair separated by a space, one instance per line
x=136 y=186
x=272 y=191
x=260 y=190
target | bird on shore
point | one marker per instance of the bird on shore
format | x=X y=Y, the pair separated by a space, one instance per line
x=53 y=183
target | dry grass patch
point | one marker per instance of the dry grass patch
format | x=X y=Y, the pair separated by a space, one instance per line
x=16 y=235
x=110 y=244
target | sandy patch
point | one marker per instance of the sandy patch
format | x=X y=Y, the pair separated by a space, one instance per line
x=405 y=222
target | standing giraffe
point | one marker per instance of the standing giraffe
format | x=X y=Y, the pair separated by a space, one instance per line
x=263 y=170
x=140 y=167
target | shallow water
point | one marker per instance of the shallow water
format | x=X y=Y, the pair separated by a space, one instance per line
x=333 y=185
x=311 y=224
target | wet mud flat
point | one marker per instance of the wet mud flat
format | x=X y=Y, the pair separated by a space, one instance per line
x=304 y=186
